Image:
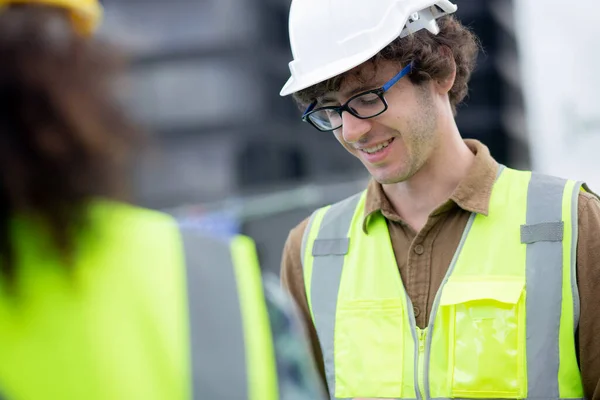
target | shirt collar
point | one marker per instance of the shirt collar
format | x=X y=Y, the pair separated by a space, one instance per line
x=472 y=193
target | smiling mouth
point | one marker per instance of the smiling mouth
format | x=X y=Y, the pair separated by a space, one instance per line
x=378 y=148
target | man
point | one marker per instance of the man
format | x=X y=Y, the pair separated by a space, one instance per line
x=450 y=276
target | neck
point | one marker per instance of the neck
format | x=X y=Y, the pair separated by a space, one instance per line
x=417 y=197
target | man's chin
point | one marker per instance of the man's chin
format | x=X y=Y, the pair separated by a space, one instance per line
x=389 y=179
x=391 y=175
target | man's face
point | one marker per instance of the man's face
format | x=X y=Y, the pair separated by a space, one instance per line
x=396 y=144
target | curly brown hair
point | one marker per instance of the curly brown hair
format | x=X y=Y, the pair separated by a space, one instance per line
x=430 y=54
x=63 y=138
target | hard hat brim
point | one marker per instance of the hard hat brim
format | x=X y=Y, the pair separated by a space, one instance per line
x=339 y=67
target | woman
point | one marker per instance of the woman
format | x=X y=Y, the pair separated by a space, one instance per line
x=100 y=299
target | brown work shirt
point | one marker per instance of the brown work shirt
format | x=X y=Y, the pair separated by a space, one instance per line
x=424 y=257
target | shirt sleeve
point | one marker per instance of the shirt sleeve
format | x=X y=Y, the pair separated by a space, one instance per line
x=588 y=279
x=292 y=279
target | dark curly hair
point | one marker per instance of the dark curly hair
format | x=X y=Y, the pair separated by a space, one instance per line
x=63 y=139
x=430 y=54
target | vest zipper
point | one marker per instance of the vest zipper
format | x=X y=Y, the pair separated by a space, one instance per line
x=421 y=334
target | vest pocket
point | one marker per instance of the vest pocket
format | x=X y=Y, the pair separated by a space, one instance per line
x=369 y=342
x=486 y=327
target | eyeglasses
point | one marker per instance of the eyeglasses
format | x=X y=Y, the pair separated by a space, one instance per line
x=364 y=105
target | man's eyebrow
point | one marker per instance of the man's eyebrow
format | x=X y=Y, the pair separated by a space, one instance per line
x=349 y=93
x=326 y=99
x=363 y=87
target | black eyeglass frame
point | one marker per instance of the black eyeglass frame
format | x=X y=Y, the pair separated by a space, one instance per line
x=344 y=107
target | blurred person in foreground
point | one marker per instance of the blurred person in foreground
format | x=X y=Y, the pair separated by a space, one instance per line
x=450 y=276
x=100 y=299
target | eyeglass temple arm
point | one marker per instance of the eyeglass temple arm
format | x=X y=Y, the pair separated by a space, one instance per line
x=398 y=76
x=309 y=108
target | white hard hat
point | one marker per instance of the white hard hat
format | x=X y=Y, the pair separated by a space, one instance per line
x=330 y=37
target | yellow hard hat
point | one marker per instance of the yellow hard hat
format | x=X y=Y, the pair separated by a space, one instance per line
x=86 y=14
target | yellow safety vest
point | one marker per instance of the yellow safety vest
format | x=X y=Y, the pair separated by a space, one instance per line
x=503 y=322
x=149 y=311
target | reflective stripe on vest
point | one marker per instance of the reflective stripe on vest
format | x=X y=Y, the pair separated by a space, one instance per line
x=232 y=354
x=547 y=240
x=543 y=235
x=332 y=240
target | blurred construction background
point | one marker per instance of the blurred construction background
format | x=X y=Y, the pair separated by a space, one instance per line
x=230 y=155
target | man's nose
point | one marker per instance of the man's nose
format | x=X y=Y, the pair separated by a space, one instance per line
x=354 y=128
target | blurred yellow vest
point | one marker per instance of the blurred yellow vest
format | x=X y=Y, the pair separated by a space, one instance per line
x=149 y=311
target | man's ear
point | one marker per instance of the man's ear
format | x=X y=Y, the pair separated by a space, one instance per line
x=444 y=85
